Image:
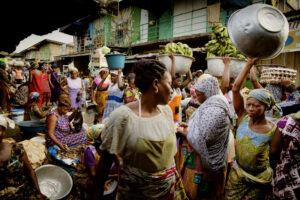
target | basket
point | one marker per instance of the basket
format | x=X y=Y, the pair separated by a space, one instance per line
x=274 y=75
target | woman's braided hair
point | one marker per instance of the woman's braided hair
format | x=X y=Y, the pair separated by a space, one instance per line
x=147 y=70
x=64 y=100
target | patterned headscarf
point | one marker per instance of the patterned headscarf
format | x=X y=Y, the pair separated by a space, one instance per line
x=267 y=99
x=34 y=95
x=209 y=129
x=114 y=72
x=276 y=91
x=209 y=86
x=35 y=65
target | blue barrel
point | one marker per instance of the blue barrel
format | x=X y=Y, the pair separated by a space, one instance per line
x=17 y=115
x=115 y=61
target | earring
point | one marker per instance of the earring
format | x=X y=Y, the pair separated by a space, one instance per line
x=156 y=91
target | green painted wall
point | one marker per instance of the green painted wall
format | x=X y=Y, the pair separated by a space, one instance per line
x=45 y=52
x=165 y=25
x=152 y=27
x=136 y=19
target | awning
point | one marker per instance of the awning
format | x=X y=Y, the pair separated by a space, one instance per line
x=134 y=58
x=72 y=55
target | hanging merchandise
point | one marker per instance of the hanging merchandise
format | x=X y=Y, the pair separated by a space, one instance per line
x=98 y=59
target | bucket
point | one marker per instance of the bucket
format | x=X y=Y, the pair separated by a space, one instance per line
x=17 y=115
x=115 y=61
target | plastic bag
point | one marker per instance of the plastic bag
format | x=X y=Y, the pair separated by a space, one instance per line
x=78 y=121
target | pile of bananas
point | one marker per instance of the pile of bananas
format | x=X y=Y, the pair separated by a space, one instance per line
x=178 y=48
x=220 y=44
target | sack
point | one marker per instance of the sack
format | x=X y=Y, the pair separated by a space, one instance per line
x=78 y=121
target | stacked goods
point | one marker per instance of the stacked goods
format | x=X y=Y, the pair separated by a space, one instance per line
x=178 y=48
x=220 y=44
x=35 y=151
x=274 y=75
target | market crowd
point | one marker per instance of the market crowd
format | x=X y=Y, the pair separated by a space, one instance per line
x=164 y=136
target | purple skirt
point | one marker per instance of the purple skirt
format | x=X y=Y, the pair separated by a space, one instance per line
x=73 y=95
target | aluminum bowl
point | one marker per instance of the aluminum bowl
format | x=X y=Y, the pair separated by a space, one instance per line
x=29 y=128
x=258 y=30
x=54 y=182
x=183 y=63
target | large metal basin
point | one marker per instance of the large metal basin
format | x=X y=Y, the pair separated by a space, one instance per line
x=31 y=127
x=258 y=30
x=54 y=182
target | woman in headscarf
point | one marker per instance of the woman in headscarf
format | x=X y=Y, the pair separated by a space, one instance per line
x=75 y=88
x=58 y=131
x=101 y=91
x=208 y=135
x=115 y=92
x=285 y=158
x=275 y=90
x=35 y=81
x=142 y=134
x=251 y=174
x=35 y=112
x=18 y=179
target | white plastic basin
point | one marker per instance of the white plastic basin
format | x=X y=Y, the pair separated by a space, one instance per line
x=182 y=63
x=216 y=66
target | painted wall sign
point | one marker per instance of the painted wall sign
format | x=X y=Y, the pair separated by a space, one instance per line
x=293 y=41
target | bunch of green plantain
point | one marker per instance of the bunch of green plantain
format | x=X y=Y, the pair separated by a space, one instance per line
x=220 y=43
x=177 y=48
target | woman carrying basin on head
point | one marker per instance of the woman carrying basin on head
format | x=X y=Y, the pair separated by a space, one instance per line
x=251 y=174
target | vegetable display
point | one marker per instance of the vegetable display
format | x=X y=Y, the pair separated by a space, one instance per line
x=178 y=48
x=220 y=44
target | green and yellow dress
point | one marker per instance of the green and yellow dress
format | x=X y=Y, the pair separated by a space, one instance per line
x=251 y=174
